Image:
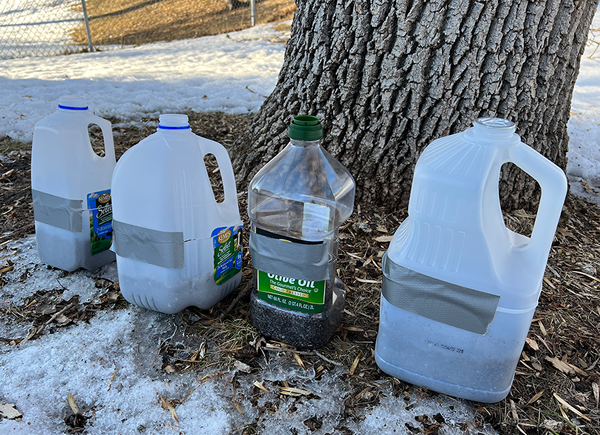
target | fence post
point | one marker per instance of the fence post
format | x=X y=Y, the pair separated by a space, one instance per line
x=87 y=26
x=253 y=12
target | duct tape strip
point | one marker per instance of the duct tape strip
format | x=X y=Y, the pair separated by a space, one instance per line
x=161 y=248
x=451 y=304
x=58 y=212
x=292 y=260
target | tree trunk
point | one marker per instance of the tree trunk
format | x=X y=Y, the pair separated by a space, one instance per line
x=387 y=77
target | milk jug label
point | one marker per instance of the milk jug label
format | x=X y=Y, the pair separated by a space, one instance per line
x=227 y=246
x=295 y=294
x=100 y=207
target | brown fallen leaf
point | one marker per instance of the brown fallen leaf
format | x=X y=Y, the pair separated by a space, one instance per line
x=291 y=391
x=596 y=391
x=6 y=269
x=536 y=397
x=569 y=407
x=355 y=363
x=299 y=360
x=561 y=365
x=261 y=386
x=167 y=405
x=384 y=239
x=238 y=406
x=532 y=344
x=72 y=404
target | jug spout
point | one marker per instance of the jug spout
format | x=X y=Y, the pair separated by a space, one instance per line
x=496 y=129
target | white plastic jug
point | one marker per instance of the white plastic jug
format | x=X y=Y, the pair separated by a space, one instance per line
x=459 y=288
x=176 y=245
x=71 y=188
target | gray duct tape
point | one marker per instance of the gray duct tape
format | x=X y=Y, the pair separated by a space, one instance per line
x=161 y=248
x=451 y=304
x=292 y=260
x=58 y=212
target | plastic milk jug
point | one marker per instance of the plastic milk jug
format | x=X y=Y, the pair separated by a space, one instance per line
x=296 y=204
x=176 y=245
x=70 y=187
x=459 y=288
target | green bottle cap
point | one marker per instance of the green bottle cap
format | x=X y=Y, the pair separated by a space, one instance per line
x=305 y=127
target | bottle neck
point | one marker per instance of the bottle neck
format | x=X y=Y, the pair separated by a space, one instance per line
x=305 y=143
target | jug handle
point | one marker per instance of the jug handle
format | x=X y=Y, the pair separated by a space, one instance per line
x=554 y=190
x=106 y=127
x=226 y=170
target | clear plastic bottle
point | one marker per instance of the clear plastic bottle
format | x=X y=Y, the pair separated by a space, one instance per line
x=71 y=188
x=302 y=197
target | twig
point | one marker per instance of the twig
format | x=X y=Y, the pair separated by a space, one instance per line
x=330 y=361
x=235 y=301
x=41 y=328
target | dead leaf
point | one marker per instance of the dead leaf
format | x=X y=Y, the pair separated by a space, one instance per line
x=112 y=296
x=63 y=320
x=7 y=174
x=513 y=410
x=299 y=360
x=167 y=405
x=73 y=405
x=238 y=406
x=242 y=367
x=261 y=386
x=536 y=397
x=355 y=363
x=384 y=239
x=381 y=230
x=363 y=392
x=291 y=391
x=555 y=426
x=561 y=365
x=544 y=333
x=6 y=269
x=569 y=407
x=9 y=411
x=596 y=391
x=532 y=344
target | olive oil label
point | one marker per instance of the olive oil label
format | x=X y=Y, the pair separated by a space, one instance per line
x=100 y=207
x=294 y=294
x=227 y=246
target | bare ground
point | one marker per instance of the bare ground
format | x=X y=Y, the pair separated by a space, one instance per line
x=556 y=384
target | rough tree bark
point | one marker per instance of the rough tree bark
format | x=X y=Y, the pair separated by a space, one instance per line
x=387 y=77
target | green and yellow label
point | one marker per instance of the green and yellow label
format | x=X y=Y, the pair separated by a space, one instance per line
x=295 y=294
x=100 y=206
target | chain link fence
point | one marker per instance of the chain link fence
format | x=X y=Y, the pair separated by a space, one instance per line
x=54 y=27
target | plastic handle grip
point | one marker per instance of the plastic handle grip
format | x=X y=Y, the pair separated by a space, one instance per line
x=226 y=170
x=106 y=127
x=554 y=190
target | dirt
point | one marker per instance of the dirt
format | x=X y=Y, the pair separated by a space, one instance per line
x=556 y=383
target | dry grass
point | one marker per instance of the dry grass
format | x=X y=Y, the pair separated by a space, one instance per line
x=135 y=22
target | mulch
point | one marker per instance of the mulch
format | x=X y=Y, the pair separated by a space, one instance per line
x=556 y=384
